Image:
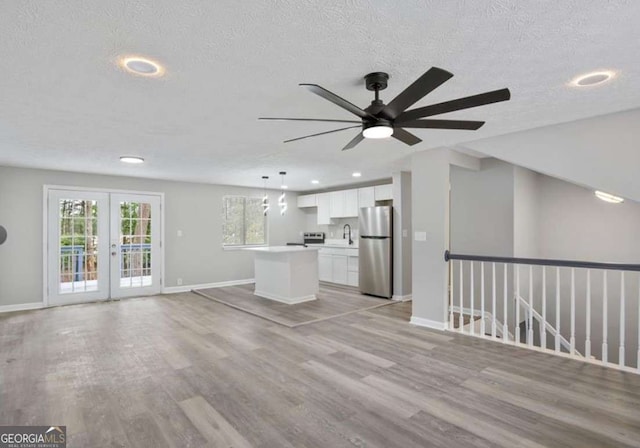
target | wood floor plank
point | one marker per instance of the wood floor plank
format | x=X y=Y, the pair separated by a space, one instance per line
x=213 y=426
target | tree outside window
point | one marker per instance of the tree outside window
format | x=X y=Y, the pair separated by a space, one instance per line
x=243 y=223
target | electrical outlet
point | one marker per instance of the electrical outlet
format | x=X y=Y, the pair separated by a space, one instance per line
x=179 y=282
x=404 y=233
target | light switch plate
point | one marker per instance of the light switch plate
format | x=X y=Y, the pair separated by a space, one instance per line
x=179 y=232
x=404 y=233
x=420 y=236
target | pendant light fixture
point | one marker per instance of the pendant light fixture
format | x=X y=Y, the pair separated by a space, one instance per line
x=282 y=200
x=265 y=198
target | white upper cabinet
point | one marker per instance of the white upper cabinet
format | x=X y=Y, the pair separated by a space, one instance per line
x=366 y=197
x=351 y=203
x=323 y=202
x=344 y=203
x=337 y=201
x=307 y=200
x=384 y=192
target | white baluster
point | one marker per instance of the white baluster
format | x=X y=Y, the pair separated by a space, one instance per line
x=451 y=283
x=605 y=347
x=483 y=329
x=517 y=327
x=587 y=342
x=638 y=358
x=472 y=287
x=543 y=326
x=557 y=309
x=493 y=300
x=460 y=319
x=530 y=321
x=572 y=339
x=505 y=322
x=621 y=360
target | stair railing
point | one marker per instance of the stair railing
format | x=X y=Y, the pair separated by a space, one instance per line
x=514 y=293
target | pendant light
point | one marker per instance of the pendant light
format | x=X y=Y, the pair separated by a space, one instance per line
x=282 y=200
x=265 y=198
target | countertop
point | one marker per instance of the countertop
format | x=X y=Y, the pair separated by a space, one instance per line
x=281 y=249
x=337 y=243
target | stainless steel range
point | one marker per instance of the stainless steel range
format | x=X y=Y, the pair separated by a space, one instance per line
x=313 y=237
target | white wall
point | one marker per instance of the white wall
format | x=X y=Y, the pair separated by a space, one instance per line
x=482 y=207
x=430 y=219
x=526 y=215
x=197 y=257
x=402 y=234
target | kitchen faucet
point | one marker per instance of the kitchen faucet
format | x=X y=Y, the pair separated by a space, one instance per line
x=344 y=233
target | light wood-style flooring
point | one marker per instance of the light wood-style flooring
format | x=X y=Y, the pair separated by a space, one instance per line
x=184 y=371
x=332 y=300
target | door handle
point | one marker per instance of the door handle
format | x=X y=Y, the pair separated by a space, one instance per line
x=113 y=253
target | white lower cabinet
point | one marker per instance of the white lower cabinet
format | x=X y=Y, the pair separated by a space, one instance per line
x=339 y=269
x=352 y=278
x=325 y=270
x=337 y=265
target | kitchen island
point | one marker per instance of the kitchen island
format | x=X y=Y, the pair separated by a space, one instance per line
x=287 y=274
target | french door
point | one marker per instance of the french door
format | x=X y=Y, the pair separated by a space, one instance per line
x=102 y=245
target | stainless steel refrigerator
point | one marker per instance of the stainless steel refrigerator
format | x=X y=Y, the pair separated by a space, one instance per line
x=376 y=251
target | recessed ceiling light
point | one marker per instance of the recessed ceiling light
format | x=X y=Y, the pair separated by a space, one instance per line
x=131 y=159
x=284 y=187
x=141 y=66
x=357 y=174
x=592 y=79
x=609 y=197
x=315 y=181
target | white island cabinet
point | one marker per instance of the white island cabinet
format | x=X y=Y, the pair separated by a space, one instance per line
x=287 y=274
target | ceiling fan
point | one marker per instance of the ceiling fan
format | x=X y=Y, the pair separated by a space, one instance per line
x=381 y=120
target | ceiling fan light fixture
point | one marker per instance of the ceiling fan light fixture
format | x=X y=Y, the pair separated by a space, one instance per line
x=378 y=130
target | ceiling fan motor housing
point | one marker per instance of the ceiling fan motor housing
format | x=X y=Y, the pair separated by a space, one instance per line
x=376 y=81
x=373 y=123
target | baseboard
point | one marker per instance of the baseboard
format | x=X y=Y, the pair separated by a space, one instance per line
x=187 y=288
x=404 y=298
x=21 y=307
x=286 y=300
x=422 y=322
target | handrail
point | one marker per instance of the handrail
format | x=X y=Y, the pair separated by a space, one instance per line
x=544 y=262
x=548 y=327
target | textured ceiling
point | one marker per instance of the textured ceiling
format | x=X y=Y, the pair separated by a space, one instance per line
x=65 y=104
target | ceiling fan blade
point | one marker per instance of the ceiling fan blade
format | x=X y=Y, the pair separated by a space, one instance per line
x=461 y=103
x=357 y=139
x=405 y=136
x=326 y=120
x=443 y=124
x=321 y=133
x=433 y=78
x=338 y=101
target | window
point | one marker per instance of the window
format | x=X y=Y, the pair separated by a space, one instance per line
x=243 y=223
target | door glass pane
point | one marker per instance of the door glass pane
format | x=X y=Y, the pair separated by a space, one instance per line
x=78 y=246
x=135 y=244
